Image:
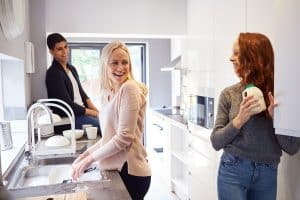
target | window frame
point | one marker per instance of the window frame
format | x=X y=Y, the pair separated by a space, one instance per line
x=100 y=46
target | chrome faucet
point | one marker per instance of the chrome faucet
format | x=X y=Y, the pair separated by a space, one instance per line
x=31 y=126
x=34 y=149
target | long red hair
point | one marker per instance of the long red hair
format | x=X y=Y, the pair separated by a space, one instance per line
x=256 y=62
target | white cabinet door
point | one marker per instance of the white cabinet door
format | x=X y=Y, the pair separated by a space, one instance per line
x=158 y=141
x=229 y=22
x=287 y=70
x=202 y=177
x=260 y=17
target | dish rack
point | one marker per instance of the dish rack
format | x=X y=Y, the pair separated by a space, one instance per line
x=39 y=148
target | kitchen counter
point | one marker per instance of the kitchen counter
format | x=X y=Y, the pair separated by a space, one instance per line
x=112 y=189
x=173 y=114
x=19 y=137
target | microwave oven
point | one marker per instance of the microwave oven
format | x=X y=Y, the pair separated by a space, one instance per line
x=201 y=111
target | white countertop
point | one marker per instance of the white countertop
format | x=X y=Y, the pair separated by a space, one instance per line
x=19 y=137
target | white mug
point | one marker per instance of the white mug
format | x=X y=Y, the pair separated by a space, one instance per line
x=91 y=132
x=84 y=126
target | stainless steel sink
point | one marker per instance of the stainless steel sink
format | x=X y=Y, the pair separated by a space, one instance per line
x=50 y=171
x=47 y=170
x=58 y=160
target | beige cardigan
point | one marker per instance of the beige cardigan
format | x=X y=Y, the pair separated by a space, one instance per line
x=122 y=125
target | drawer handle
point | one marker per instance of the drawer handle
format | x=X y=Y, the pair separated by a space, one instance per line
x=160 y=127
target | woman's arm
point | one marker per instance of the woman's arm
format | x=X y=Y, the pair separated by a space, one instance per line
x=225 y=131
x=90 y=105
x=289 y=144
x=91 y=109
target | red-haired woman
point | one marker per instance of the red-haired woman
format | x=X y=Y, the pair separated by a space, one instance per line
x=248 y=166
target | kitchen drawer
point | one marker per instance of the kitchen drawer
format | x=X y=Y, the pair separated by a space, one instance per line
x=202 y=177
x=202 y=146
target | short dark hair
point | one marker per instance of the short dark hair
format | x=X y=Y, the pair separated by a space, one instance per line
x=54 y=38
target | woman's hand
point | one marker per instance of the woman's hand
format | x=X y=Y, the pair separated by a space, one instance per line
x=80 y=158
x=80 y=166
x=245 y=113
x=272 y=105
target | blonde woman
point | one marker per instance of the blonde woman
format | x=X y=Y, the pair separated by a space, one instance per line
x=122 y=123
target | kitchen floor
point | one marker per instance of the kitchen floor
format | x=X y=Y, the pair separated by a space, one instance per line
x=158 y=188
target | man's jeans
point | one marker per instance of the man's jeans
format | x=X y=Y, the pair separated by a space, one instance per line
x=81 y=120
x=241 y=179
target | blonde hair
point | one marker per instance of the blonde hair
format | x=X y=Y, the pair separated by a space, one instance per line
x=106 y=84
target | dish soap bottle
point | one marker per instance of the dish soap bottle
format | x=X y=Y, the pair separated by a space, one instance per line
x=252 y=90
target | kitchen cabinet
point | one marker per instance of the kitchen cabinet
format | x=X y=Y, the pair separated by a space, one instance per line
x=260 y=17
x=286 y=120
x=193 y=163
x=286 y=47
x=159 y=143
x=179 y=159
x=202 y=165
x=212 y=27
x=190 y=158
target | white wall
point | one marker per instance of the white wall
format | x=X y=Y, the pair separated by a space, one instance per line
x=151 y=17
x=15 y=48
x=38 y=35
x=141 y=18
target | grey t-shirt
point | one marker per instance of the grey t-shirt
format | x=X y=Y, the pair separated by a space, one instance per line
x=256 y=140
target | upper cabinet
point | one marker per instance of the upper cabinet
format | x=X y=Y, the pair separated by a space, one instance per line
x=287 y=48
x=212 y=28
x=12 y=17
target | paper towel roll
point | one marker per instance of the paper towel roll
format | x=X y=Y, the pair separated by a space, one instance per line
x=29 y=57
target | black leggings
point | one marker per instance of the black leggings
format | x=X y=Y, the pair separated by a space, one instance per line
x=137 y=186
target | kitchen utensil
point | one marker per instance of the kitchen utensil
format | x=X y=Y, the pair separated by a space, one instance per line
x=78 y=133
x=91 y=132
x=5 y=136
x=84 y=126
x=44 y=119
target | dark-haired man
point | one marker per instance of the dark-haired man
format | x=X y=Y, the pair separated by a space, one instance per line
x=62 y=82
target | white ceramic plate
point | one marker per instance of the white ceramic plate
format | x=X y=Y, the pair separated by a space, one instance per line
x=57 y=141
x=44 y=119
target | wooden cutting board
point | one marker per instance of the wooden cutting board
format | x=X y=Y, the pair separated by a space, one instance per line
x=70 y=196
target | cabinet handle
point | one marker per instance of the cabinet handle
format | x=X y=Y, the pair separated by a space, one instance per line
x=160 y=127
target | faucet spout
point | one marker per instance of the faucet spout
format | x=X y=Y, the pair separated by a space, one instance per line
x=30 y=125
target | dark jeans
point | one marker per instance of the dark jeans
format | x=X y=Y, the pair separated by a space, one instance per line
x=79 y=121
x=241 y=179
x=137 y=186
